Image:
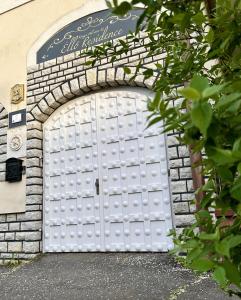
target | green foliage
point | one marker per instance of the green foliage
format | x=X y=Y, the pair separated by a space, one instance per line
x=204 y=56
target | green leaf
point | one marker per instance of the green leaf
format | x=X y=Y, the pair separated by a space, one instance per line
x=209 y=185
x=127 y=70
x=237 y=149
x=210 y=236
x=122 y=9
x=190 y=93
x=220 y=276
x=155 y=103
x=201 y=115
x=194 y=254
x=234 y=107
x=178 y=18
x=210 y=36
x=148 y=73
x=123 y=44
x=202 y=264
x=232 y=272
x=193 y=243
x=239 y=168
x=221 y=156
x=212 y=90
x=203 y=214
x=225 y=173
x=227 y=99
x=89 y=62
x=237 y=145
x=223 y=248
x=154 y=121
x=199 y=18
x=226 y=42
x=199 y=83
x=236 y=189
x=236 y=85
x=234 y=241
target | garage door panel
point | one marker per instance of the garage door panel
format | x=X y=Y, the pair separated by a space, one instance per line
x=135 y=206
x=91 y=240
x=131 y=151
x=86 y=134
x=133 y=177
x=55 y=162
x=116 y=236
x=111 y=129
x=87 y=182
x=88 y=207
x=106 y=175
x=129 y=104
x=53 y=209
x=86 y=156
x=52 y=238
x=55 y=140
x=155 y=201
x=113 y=184
x=137 y=234
x=153 y=171
x=112 y=152
x=153 y=146
x=115 y=207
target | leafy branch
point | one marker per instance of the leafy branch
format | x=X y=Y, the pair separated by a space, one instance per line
x=198 y=94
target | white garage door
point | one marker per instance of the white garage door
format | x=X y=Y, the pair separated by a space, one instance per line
x=105 y=177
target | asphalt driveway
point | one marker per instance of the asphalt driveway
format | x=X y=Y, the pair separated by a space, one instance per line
x=105 y=276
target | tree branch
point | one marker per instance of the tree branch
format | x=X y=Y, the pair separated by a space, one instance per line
x=210 y=6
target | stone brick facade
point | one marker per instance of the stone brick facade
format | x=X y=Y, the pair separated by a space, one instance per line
x=18 y=236
x=51 y=84
x=3 y=140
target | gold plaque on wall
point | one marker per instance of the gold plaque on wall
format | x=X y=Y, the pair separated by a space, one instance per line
x=17 y=93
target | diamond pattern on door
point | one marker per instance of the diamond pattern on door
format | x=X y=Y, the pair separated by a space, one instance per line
x=105 y=177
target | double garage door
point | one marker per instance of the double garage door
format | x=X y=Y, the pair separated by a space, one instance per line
x=106 y=182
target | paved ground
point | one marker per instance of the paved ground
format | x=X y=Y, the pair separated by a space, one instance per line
x=105 y=276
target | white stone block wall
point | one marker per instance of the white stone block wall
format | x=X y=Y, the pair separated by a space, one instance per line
x=3 y=141
x=51 y=84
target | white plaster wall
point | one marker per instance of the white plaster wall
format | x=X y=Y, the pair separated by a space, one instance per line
x=23 y=30
x=12 y=196
x=22 y=27
x=6 y=5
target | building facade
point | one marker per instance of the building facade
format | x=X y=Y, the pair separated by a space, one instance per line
x=78 y=170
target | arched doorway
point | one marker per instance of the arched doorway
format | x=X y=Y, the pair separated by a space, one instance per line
x=106 y=184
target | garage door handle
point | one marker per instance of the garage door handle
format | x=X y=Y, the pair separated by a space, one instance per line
x=97 y=186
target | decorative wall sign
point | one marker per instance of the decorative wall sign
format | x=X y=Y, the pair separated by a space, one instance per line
x=16 y=142
x=17 y=93
x=88 y=31
x=17 y=118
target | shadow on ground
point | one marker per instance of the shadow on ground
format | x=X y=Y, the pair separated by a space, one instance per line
x=105 y=276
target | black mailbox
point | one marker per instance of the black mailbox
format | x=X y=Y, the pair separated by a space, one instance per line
x=14 y=169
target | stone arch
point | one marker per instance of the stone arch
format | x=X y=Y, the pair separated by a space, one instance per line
x=91 y=80
x=3 y=112
x=88 y=81
x=77 y=136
